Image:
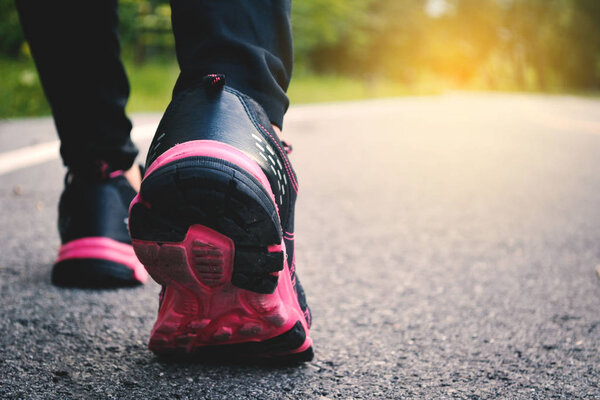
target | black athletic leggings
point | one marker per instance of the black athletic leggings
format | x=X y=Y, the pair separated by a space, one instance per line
x=75 y=46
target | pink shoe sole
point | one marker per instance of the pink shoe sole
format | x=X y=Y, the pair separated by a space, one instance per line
x=97 y=261
x=208 y=231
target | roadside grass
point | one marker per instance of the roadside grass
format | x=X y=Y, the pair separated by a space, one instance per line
x=328 y=88
x=20 y=90
x=151 y=85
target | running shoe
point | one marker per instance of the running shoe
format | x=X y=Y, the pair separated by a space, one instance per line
x=96 y=249
x=214 y=224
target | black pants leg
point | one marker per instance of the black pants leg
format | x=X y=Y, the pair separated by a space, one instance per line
x=249 y=41
x=76 y=50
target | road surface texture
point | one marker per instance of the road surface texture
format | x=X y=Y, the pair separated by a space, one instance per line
x=448 y=245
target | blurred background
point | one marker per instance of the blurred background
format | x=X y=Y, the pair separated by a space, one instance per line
x=354 y=49
x=459 y=233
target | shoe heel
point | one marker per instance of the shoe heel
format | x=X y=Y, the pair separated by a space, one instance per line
x=208 y=231
x=220 y=196
x=202 y=306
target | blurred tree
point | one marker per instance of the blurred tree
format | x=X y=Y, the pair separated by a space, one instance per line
x=581 y=68
x=328 y=32
x=145 y=27
x=396 y=33
x=11 y=36
x=463 y=39
x=524 y=44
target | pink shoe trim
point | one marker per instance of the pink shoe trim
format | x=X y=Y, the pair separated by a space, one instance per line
x=103 y=248
x=275 y=248
x=201 y=307
x=212 y=148
x=116 y=173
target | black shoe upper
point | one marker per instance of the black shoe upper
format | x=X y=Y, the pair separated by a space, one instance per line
x=95 y=206
x=213 y=111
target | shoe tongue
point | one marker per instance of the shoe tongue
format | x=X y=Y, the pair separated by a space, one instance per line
x=287 y=147
x=97 y=171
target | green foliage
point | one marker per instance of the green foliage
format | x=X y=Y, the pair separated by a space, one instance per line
x=548 y=45
x=309 y=89
x=151 y=85
x=21 y=93
x=20 y=89
x=320 y=27
x=152 y=82
x=11 y=36
x=493 y=44
x=145 y=28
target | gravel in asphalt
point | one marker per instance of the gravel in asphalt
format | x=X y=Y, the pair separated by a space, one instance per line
x=448 y=245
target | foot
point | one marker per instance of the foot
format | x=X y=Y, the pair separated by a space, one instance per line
x=96 y=249
x=134 y=177
x=214 y=224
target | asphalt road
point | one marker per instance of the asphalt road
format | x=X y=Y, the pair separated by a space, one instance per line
x=448 y=245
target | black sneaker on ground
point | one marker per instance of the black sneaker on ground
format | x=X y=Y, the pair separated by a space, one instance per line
x=96 y=250
x=214 y=224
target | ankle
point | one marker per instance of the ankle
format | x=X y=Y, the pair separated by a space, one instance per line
x=134 y=177
x=277 y=131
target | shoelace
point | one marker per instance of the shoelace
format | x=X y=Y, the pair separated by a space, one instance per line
x=100 y=172
x=286 y=147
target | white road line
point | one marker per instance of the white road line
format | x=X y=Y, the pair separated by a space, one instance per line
x=28 y=156
x=39 y=153
x=36 y=154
